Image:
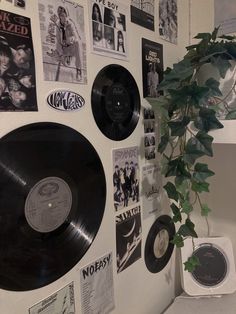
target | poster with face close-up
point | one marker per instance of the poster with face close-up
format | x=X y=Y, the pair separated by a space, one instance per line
x=63 y=41
x=109 y=29
x=17 y=65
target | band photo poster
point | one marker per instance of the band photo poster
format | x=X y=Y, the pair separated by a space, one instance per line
x=168 y=20
x=149 y=125
x=152 y=66
x=125 y=177
x=128 y=238
x=17 y=64
x=63 y=41
x=143 y=12
x=108 y=28
x=97 y=286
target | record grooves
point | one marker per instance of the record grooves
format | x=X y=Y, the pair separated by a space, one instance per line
x=52 y=200
x=158 y=248
x=115 y=102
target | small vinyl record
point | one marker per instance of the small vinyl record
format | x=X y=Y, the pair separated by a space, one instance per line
x=213 y=265
x=115 y=102
x=158 y=248
x=52 y=200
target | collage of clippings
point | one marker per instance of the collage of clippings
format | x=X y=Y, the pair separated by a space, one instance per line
x=125 y=177
x=63 y=41
x=109 y=29
x=128 y=238
x=17 y=66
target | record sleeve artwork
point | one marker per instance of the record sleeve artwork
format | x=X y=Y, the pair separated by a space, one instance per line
x=48 y=218
x=17 y=65
x=149 y=134
x=125 y=177
x=63 y=41
x=158 y=248
x=128 y=238
x=115 y=102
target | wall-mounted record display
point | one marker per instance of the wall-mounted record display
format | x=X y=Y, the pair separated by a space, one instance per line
x=158 y=248
x=52 y=200
x=216 y=272
x=115 y=102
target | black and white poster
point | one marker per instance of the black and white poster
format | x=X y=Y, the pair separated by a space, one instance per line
x=152 y=64
x=151 y=189
x=149 y=125
x=125 y=177
x=143 y=12
x=128 y=238
x=225 y=16
x=109 y=28
x=168 y=20
x=62 y=301
x=17 y=64
x=63 y=41
x=97 y=287
x=20 y=3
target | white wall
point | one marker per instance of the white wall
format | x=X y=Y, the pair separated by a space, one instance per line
x=136 y=290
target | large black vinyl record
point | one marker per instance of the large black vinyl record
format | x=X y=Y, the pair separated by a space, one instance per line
x=52 y=199
x=115 y=102
x=158 y=248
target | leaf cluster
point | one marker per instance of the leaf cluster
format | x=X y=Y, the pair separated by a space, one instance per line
x=186 y=102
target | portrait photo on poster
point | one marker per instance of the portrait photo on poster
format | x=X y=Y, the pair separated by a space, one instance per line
x=63 y=41
x=152 y=66
x=17 y=64
x=108 y=28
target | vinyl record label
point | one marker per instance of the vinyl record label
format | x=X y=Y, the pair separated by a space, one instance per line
x=158 y=248
x=52 y=200
x=115 y=102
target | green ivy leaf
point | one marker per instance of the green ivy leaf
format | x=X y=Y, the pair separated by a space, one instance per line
x=207 y=120
x=176 y=213
x=171 y=191
x=183 y=188
x=178 y=240
x=177 y=167
x=205 y=36
x=191 y=264
x=231 y=115
x=205 y=210
x=178 y=128
x=164 y=164
x=222 y=64
x=187 y=229
x=213 y=86
x=200 y=186
x=163 y=143
x=198 y=146
x=201 y=172
x=186 y=207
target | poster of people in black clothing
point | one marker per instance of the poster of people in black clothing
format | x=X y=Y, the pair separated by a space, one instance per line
x=17 y=65
x=125 y=177
x=63 y=41
x=128 y=238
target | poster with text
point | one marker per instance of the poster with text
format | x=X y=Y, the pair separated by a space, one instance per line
x=108 y=23
x=168 y=21
x=17 y=66
x=143 y=12
x=151 y=189
x=97 y=287
x=128 y=238
x=152 y=65
x=62 y=301
x=63 y=41
x=125 y=177
x=225 y=16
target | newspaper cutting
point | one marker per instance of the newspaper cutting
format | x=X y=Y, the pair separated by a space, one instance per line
x=128 y=238
x=62 y=301
x=17 y=65
x=125 y=177
x=151 y=189
x=168 y=22
x=109 y=28
x=143 y=12
x=97 y=287
x=63 y=41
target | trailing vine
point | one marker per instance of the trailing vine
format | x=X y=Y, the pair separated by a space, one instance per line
x=189 y=112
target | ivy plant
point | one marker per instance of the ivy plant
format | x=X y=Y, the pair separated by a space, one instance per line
x=188 y=112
